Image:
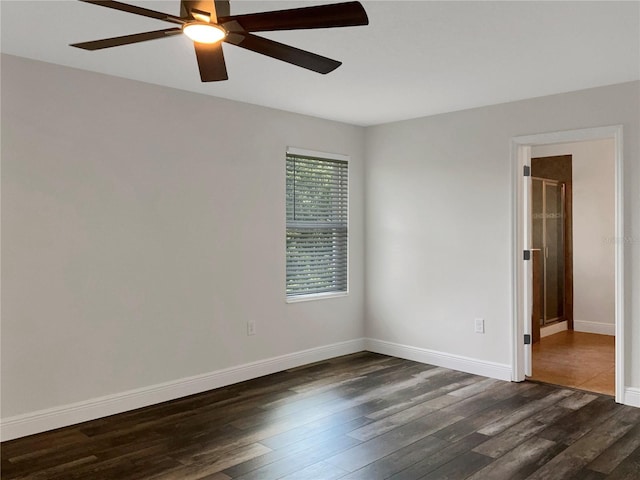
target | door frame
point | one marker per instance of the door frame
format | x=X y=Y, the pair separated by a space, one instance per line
x=521 y=298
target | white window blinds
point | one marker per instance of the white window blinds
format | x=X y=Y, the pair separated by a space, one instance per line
x=317 y=220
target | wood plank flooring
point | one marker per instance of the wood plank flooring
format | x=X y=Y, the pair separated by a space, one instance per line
x=363 y=416
x=576 y=359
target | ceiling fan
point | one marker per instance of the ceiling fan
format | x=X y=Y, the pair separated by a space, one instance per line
x=209 y=23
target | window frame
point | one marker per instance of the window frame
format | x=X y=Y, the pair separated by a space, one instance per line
x=306 y=297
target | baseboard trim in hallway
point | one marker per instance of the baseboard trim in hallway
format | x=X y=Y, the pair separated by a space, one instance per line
x=594 y=327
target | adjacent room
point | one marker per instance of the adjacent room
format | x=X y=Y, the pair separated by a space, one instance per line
x=386 y=239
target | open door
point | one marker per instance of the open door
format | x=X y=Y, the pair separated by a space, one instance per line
x=537 y=269
x=527 y=259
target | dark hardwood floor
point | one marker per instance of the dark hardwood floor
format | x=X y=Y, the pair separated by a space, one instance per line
x=363 y=416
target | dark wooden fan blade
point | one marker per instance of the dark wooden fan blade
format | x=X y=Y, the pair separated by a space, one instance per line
x=283 y=52
x=222 y=8
x=127 y=39
x=211 y=62
x=145 y=12
x=323 y=16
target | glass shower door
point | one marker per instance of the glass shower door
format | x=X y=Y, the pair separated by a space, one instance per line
x=548 y=236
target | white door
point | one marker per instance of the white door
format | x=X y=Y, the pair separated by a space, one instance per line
x=527 y=269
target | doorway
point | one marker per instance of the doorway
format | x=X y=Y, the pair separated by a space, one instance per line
x=583 y=357
x=556 y=308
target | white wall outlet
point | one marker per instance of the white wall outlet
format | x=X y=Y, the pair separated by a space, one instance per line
x=251 y=327
x=479 y=325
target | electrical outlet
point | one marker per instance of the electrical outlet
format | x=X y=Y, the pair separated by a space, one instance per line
x=479 y=325
x=251 y=327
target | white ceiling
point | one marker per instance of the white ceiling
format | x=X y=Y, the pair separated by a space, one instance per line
x=416 y=58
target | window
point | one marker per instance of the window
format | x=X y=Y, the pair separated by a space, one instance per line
x=317 y=224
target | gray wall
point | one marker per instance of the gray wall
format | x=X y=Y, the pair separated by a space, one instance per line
x=439 y=221
x=142 y=227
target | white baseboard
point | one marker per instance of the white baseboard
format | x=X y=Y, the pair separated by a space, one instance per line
x=632 y=397
x=552 y=329
x=440 y=359
x=43 y=420
x=594 y=327
x=48 y=419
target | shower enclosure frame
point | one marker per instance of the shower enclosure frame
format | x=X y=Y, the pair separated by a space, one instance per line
x=544 y=250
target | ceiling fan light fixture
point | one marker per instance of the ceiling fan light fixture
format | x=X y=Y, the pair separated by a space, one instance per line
x=203 y=29
x=204 y=32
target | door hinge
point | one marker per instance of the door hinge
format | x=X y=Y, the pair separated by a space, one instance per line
x=526 y=171
x=527 y=254
x=527 y=339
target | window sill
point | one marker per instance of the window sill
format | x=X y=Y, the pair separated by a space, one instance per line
x=315 y=296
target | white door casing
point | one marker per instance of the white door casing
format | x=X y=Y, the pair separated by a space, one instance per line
x=521 y=240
